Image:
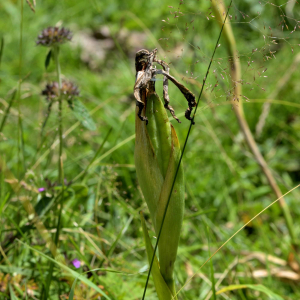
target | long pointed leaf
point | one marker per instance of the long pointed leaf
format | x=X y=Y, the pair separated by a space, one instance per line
x=256 y=287
x=72 y=291
x=82 y=115
x=12 y=293
x=1 y=48
x=48 y=58
x=161 y=287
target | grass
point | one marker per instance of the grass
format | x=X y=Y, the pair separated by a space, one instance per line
x=100 y=216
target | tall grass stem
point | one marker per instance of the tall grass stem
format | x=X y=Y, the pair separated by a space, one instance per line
x=21 y=160
x=60 y=164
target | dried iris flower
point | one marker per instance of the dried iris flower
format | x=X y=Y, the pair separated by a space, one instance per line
x=54 y=36
x=69 y=90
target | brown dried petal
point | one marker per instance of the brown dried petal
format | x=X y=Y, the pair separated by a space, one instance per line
x=68 y=89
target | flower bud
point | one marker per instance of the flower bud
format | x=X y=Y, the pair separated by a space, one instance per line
x=157 y=154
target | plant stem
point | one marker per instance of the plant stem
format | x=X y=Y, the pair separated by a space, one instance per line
x=60 y=129
x=8 y=110
x=20 y=123
x=57 y=65
x=60 y=164
x=58 y=74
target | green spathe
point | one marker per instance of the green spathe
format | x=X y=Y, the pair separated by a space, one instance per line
x=157 y=153
x=163 y=291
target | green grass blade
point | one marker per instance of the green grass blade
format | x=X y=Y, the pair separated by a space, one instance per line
x=71 y=295
x=12 y=293
x=83 y=115
x=48 y=58
x=1 y=49
x=256 y=287
x=161 y=287
x=70 y=271
x=4 y=202
x=8 y=109
x=212 y=275
x=121 y=233
x=16 y=225
x=83 y=173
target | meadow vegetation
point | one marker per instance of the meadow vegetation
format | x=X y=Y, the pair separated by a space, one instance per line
x=73 y=212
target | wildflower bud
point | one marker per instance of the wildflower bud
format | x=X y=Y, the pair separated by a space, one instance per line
x=157 y=154
x=54 y=36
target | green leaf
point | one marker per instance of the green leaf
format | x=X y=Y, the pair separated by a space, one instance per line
x=8 y=109
x=1 y=49
x=212 y=273
x=80 y=190
x=12 y=269
x=12 y=293
x=43 y=205
x=256 y=287
x=4 y=202
x=161 y=287
x=71 y=295
x=70 y=271
x=48 y=58
x=82 y=115
x=121 y=233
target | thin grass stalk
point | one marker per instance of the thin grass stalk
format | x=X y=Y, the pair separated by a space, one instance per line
x=219 y=10
x=7 y=110
x=20 y=126
x=84 y=172
x=60 y=129
x=212 y=273
x=1 y=49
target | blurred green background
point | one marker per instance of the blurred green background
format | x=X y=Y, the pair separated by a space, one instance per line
x=224 y=184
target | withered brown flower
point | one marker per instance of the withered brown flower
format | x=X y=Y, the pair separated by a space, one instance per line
x=68 y=90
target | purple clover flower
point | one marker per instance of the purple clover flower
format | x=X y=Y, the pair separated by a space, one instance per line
x=54 y=36
x=42 y=189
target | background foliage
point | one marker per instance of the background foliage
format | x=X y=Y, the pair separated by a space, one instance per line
x=224 y=184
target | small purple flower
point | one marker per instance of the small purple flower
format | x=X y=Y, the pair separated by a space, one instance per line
x=41 y=189
x=76 y=263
